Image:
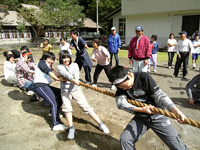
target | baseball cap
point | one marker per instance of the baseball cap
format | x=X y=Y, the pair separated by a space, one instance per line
x=139 y=28
x=113 y=28
x=183 y=32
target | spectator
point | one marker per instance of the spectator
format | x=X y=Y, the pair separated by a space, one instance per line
x=82 y=58
x=193 y=35
x=196 y=51
x=139 y=51
x=64 y=45
x=46 y=47
x=171 y=43
x=141 y=87
x=184 y=48
x=10 y=70
x=154 y=48
x=114 y=45
x=14 y=52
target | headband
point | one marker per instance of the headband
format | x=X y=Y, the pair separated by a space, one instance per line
x=120 y=80
x=28 y=53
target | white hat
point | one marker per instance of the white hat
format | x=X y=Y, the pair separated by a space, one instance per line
x=113 y=28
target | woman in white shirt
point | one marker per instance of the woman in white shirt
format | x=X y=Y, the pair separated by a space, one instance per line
x=171 y=42
x=9 y=69
x=64 y=46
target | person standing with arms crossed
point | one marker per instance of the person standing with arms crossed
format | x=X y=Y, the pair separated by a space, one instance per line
x=139 y=51
x=82 y=58
x=184 y=47
x=114 y=45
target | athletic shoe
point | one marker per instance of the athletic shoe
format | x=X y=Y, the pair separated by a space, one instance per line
x=59 y=127
x=184 y=77
x=154 y=70
x=148 y=70
x=170 y=67
x=88 y=83
x=29 y=93
x=94 y=85
x=113 y=87
x=71 y=133
x=103 y=128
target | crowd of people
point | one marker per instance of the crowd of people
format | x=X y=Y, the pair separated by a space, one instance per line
x=21 y=70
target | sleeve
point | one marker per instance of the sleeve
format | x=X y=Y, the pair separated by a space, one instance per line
x=43 y=67
x=191 y=46
x=122 y=104
x=93 y=55
x=82 y=41
x=31 y=65
x=177 y=48
x=190 y=85
x=168 y=41
x=119 y=42
x=63 y=72
x=76 y=68
x=105 y=51
x=148 y=49
x=130 y=50
x=23 y=66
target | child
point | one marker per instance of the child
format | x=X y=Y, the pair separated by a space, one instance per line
x=195 y=52
x=46 y=47
x=102 y=56
x=154 y=48
x=70 y=90
x=141 y=87
x=10 y=69
x=171 y=43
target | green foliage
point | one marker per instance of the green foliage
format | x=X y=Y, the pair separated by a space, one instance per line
x=21 y=27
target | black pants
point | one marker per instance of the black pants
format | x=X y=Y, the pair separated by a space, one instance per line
x=87 y=71
x=98 y=70
x=179 y=61
x=170 y=58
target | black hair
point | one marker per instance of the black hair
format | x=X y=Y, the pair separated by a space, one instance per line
x=46 y=40
x=97 y=41
x=9 y=56
x=196 y=35
x=64 y=39
x=117 y=72
x=64 y=54
x=48 y=55
x=24 y=48
x=5 y=53
x=154 y=36
x=28 y=56
x=74 y=32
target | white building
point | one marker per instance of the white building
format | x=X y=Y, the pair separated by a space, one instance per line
x=160 y=17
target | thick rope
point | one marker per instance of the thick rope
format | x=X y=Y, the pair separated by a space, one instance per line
x=139 y=104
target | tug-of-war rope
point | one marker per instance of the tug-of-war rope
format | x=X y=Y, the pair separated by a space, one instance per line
x=139 y=104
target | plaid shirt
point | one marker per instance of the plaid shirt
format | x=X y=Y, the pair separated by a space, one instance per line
x=23 y=69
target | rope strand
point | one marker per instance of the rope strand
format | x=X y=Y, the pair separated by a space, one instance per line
x=139 y=104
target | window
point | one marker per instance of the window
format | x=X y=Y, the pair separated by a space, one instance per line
x=122 y=26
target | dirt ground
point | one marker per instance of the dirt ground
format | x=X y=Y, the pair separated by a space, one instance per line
x=26 y=125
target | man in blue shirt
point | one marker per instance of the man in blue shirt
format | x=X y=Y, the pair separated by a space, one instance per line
x=114 y=44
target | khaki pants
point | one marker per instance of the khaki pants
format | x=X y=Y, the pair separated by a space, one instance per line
x=79 y=98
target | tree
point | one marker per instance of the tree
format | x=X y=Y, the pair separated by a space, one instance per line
x=21 y=28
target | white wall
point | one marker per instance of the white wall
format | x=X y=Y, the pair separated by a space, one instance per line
x=116 y=20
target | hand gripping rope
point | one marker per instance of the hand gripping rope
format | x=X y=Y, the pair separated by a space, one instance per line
x=139 y=104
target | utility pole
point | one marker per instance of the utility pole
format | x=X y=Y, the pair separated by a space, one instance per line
x=97 y=4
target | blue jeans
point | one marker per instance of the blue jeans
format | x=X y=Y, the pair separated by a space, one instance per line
x=29 y=85
x=116 y=59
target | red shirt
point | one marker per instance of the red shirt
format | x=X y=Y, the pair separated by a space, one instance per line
x=143 y=51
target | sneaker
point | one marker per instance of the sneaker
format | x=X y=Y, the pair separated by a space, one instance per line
x=59 y=127
x=60 y=115
x=113 y=87
x=170 y=67
x=103 y=128
x=174 y=76
x=29 y=93
x=148 y=70
x=154 y=70
x=88 y=83
x=94 y=85
x=71 y=133
x=184 y=77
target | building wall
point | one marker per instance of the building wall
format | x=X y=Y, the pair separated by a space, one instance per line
x=130 y=7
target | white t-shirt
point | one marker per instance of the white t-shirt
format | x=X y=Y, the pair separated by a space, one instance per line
x=65 y=47
x=9 y=69
x=171 y=48
x=197 y=49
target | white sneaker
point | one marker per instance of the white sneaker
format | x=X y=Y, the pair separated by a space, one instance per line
x=170 y=67
x=71 y=133
x=29 y=93
x=154 y=70
x=103 y=128
x=59 y=127
x=113 y=87
x=94 y=85
x=88 y=83
x=60 y=115
x=148 y=70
